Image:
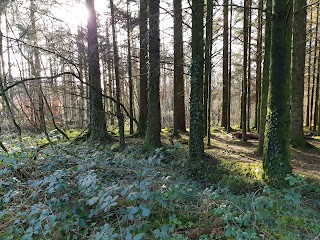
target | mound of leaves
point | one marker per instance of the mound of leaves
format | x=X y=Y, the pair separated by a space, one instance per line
x=90 y=192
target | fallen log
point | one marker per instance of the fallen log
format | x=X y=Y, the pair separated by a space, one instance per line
x=252 y=136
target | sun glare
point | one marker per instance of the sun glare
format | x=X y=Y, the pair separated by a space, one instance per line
x=73 y=15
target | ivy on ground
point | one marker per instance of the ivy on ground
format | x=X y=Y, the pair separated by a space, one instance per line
x=89 y=192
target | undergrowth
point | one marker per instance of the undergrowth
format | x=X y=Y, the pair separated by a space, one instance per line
x=91 y=192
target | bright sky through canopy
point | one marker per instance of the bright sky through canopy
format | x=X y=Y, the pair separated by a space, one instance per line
x=75 y=13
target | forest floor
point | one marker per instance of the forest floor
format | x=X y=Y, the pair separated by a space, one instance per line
x=83 y=191
x=226 y=146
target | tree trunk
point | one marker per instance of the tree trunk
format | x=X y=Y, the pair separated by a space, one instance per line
x=179 y=121
x=225 y=88
x=245 y=71
x=207 y=74
x=81 y=59
x=131 y=107
x=258 y=68
x=117 y=76
x=276 y=156
x=309 y=70
x=316 y=101
x=143 y=100
x=318 y=132
x=314 y=68
x=298 y=69
x=36 y=72
x=229 y=74
x=249 y=66
x=196 y=146
x=152 y=138
x=97 y=116
x=110 y=75
x=265 y=77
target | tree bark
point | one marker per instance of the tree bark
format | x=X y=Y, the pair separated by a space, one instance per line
x=229 y=74
x=97 y=116
x=143 y=100
x=316 y=101
x=131 y=107
x=265 y=77
x=110 y=75
x=225 y=88
x=196 y=146
x=36 y=72
x=298 y=69
x=152 y=138
x=258 y=68
x=315 y=58
x=81 y=59
x=249 y=66
x=117 y=76
x=309 y=70
x=276 y=157
x=207 y=74
x=245 y=71
x=179 y=121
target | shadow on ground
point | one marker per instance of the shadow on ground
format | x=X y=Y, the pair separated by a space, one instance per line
x=225 y=146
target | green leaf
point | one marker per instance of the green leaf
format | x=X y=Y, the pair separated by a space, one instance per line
x=138 y=236
x=146 y=212
x=293 y=196
x=163 y=233
x=129 y=236
x=51 y=190
x=134 y=210
x=267 y=189
x=229 y=231
x=82 y=223
x=74 y=168
x=92 y=201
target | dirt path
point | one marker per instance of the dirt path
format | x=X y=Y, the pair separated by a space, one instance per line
x=225 y=146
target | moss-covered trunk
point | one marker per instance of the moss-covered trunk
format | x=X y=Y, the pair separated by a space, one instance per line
x=196 y=146
x=276 y=156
